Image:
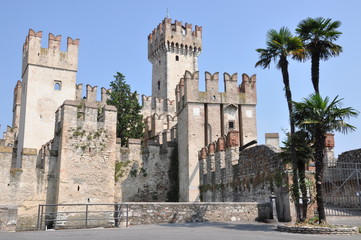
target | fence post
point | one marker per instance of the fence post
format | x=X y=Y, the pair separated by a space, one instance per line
x=41 y=217
x=38 y=223
x=273 y=206
x=86 y=215
x=127 y=216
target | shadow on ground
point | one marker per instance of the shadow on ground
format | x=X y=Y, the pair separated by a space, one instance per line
x=241 y=226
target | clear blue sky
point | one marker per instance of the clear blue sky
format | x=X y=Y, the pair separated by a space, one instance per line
x=113 y=37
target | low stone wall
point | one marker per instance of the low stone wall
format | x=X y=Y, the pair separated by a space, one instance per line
x=8 y=217
x=156 y=213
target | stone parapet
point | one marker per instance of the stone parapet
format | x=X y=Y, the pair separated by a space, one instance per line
x=188 y=91
x=174 y=37
x=52 y=56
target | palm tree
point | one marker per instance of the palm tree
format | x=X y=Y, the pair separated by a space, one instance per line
x=318 y=36
x=301 y=142
x=319 y=116
x=280 y=45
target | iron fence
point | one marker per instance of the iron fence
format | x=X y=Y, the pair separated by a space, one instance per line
x=62 y=216
x=342 y=188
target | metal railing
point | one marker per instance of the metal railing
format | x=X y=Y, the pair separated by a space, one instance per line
x=62 y=216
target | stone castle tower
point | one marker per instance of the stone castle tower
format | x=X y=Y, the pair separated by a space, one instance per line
x=173 y=48
x=204 y=117
x=48 y=79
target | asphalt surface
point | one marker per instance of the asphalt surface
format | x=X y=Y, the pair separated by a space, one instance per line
x=185 y=231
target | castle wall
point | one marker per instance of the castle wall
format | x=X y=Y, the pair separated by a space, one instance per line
x=48 y=78
x=22 y=190
x=143 y=173
x=203 y=117
x=250 y=175
x=353 y=156
x=86 y=153
x=190 y=139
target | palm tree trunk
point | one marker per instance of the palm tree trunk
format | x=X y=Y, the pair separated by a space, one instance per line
x=319 y=154
x=315 y=70
x=302 y=176
x=295 y=188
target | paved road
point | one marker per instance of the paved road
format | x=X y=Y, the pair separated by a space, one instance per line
x=187 y=231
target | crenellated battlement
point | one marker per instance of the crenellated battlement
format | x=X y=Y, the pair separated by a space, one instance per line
x=187 y=90
x=174 y=37
x=52 y=56
x=91 y=93
x=157 y=105
x=228 y=174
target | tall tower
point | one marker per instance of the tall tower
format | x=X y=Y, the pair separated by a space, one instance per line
x=48 y=79
x=173 y=48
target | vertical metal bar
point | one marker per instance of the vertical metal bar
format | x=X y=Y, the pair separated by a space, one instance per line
x=358 y=190
x=41 y=217
x=38 y=223
x=127 y=216
x=86 y=216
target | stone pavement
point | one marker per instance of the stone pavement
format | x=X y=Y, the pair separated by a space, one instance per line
x=347 y=220
x=184 y=231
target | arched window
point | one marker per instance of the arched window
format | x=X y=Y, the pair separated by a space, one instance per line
x=177 y=58
x=57 y=85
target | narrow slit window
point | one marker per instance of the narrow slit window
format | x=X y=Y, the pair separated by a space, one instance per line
x=158 y=85
x=231 y=125
x=177 y=58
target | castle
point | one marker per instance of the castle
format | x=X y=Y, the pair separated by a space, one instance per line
x=62 y=146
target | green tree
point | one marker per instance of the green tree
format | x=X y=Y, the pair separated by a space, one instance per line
x=301 y=141
x=319 y=116
x=129 y=120
x=318 y=36
x=280 y=45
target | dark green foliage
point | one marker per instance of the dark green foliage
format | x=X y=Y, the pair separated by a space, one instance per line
x=173 y=173
x=301 y=142
x=281 y=45
x=319 y=116
x=129 y=120
x=318 y=36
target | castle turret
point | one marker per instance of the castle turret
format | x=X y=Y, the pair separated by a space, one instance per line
x=48 y=79
x=172 y=49
x=204 y=117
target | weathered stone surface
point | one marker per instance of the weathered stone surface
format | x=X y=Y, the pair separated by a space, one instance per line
x=350 y=156
x=150 y=213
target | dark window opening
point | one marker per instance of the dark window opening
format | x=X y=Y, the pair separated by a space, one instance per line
x=177 y=58
x=100 y=115
x=158 y=85
x=159 y=62
x=231 y=125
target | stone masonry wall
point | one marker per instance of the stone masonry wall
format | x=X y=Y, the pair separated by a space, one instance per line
x=156 y=213
x=21 y=190
x=253 y=174
x=143 y=172
x=350 y=156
